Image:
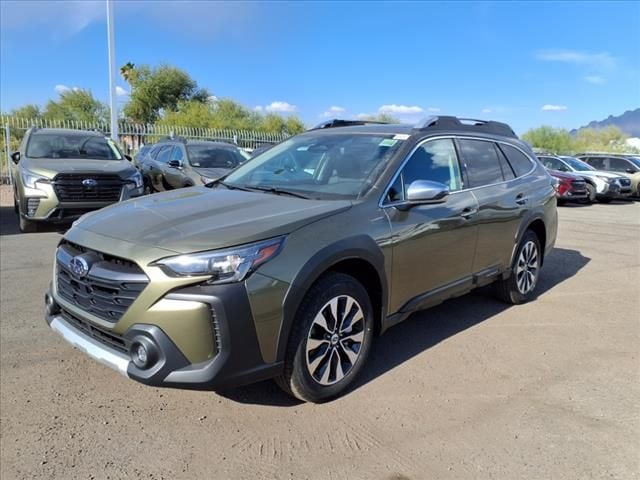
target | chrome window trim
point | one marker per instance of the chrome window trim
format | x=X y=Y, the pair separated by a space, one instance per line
x=534 y=164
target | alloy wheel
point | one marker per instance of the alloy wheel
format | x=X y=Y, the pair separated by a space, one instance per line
x=527 y=268
x=335 y=340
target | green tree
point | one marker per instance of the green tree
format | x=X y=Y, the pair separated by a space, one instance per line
x=159 y=90
x=557 y=140
x=27 y=111
x=607 y=139
x=76 y=105
x=380 y=117
x=294 y=125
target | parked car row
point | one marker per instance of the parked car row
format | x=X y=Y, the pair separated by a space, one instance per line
x=587 y=178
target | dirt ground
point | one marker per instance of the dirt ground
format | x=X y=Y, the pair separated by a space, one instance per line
x=472 y=389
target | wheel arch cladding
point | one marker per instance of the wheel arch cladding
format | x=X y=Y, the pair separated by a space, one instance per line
x=358 y=256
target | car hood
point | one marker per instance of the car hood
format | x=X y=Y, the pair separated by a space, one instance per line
x=598 y=173
x=200 y=218
x=211 y=173
x=565 y=175
x=50 y=167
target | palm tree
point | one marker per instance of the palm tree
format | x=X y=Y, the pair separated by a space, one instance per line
x=126 y=70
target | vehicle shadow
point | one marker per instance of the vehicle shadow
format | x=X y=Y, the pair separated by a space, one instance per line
x=425 y=329
x=9 y=224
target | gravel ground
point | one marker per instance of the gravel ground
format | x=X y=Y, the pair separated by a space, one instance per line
x=472 y=389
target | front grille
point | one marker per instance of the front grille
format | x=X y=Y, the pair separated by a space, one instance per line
x=69 y=187
x=624 y=182
x=109 y=339
x=579 y=185
x=108 y=289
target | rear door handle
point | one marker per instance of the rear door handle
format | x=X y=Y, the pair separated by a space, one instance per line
x=521 y=199
x=468 y=212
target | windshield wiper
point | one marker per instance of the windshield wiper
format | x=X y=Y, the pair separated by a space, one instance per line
x=276 y=191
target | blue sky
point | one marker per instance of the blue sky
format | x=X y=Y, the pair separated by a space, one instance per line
x=526 y=63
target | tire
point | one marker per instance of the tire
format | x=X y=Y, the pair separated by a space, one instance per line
x=27 y=226
x=319 y=348
x=592 y=193
x=525 y=272
x=605 y=200
x=15 y=205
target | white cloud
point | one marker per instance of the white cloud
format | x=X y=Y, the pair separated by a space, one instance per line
x=598 y=60
x=121 y=92
x=60 y=89
x=212 y=99
x=394 y=109
x=362 y=116
x=334 y=111
x=62 y=18
x=280 y=107
x=486 y=110
x=595 y=79
x=553 y=108
x=433 y=109
x=258 y=108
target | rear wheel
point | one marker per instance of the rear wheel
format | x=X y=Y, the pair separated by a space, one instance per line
x=330 y=340
x=525 y=271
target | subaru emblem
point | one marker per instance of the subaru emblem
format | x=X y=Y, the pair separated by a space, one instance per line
x=89 y=183
x=79 y=266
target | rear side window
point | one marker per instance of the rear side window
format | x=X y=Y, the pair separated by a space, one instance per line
x=596 y=162
x=482 y=161
x=618 y=164
x=520 y=163
x=553 y=164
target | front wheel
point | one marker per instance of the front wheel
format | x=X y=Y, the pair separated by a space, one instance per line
x=525 y=271
x=330 y=340
x=27 y=226
x=591 y=190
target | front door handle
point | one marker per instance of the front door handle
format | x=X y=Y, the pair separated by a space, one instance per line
x=468 y=212
x=521 y=199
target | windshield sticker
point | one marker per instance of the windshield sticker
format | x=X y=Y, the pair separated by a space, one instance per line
x=387 y=142
x=401 y=136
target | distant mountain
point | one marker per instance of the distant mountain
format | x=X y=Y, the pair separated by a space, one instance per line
x=628 y=122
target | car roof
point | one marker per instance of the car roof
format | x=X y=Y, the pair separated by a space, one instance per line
x=213 y=143
x=66 y=131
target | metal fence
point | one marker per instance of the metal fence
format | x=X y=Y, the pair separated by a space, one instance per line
x=132 y=136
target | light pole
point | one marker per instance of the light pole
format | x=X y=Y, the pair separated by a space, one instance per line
x=112 y=71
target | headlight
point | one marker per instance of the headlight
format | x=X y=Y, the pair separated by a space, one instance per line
x=224 y=266
x=606 y=179
x=29 y=179
x=136 y=179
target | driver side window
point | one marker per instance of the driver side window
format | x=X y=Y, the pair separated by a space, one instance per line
x=434 y=160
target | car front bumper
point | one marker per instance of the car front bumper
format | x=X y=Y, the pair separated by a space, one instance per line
x=235 y=359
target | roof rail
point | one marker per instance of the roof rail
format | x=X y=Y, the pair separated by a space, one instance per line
x=336 y=122
x=444 y=122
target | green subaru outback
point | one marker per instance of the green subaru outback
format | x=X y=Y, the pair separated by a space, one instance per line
x=60 y=174
x=287 y=267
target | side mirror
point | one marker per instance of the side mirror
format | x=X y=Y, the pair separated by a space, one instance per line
x=15 y=156
x=631 y=170
x=128 y=157
x=175 y=164
x=422 y=192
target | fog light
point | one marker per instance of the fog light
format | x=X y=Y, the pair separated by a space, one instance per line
x=144 y=352
x=141 y=352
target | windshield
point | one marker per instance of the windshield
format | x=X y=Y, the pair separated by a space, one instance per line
x=212 y=156
x=55 y=145
x=634 y=160
x=320 y=165
x=577 y=164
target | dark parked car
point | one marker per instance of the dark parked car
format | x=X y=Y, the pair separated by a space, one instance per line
x=289 y=273
x=177 y=163
x=570 y=187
